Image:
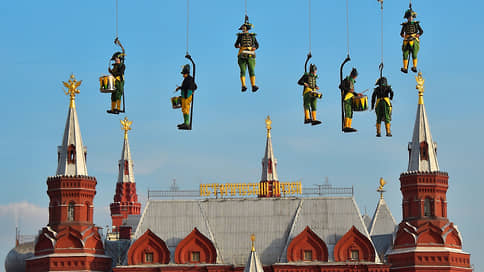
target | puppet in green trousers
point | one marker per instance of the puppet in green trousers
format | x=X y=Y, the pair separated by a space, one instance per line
x=382 y=95
x=310 y=95
x=187 y=88
x=348 y=87
x=118 y=72
x=411 y=32
x=247 y=44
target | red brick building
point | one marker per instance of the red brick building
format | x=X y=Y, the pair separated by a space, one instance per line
x=294 y=234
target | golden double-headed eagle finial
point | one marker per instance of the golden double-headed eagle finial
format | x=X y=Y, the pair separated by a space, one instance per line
x=72 y=89
x=380 y=188
x=126 y=126
x=268 y=125
x=420 y=87
x=252 y=238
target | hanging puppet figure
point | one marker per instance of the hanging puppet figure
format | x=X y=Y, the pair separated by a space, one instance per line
x=310 y=95
x=247 y=44
x=118 y=72
x=411 y=32
x=348 y=87
x=382 y=94
x=187 y=88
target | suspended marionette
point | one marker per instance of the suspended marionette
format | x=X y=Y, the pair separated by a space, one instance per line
x=411 y=32
x=352 y=101
x=187 y=88
x=247 y=44
x=310 y=94
x=382 y=95
x=117 y=71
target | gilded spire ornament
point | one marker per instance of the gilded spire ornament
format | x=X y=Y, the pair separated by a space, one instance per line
x=72 y=84
x=252 y=238
x=268 y=125
x=420 y=87
x=126 y=126
x=380 y=188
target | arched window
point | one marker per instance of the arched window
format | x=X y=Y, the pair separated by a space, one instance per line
x=88 y=212
x=424 y=151
x=71 y=154
x=70 y=212
x=126 y=167
x=427 y=207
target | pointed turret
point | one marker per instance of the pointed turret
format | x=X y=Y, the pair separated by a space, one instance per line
x=383 y=222
x=422 y=149
x=125 y=163
x=269 y=162
x=253 y=262
x=426 y=240
x=70 y=236
x=269 y=181
x=125 y=199
x=71 y=154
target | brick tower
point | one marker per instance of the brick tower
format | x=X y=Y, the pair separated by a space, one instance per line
x=70 y=241
x=269 y=183
x=125 y=200
x=425 y=240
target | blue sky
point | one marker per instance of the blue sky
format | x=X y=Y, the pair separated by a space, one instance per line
x=44 y=42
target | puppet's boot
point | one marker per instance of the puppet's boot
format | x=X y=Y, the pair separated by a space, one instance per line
x=414 y=68
x=378 y=130
x=347 y=126
x=113 y=107
x=405 y=66
x=252 y=82
x=389 y=133
x=314 y=121
x=242 y=81
x=186 y=123
x=307 y=119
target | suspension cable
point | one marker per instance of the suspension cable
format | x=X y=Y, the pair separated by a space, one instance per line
x=381 y=31
x=116 y=18
x=347 y=29
x=188 y=16
x=245 y=7
x=309 y=18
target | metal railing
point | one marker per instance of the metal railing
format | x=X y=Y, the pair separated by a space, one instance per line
x=319 y=190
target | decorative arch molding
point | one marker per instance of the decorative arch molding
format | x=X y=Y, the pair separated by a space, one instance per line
x=404 y=237
x=46 y=241
x=430 y=235
x=148 y=243
x=304 y=242
x=195 y=244
x=69 y=238
x=352 y=243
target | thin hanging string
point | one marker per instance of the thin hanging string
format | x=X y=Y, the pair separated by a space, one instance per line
x=309 y=16
x=381 y=32
x=347 y=29
x=116 y=18
x=188 y=16
x=245 y=7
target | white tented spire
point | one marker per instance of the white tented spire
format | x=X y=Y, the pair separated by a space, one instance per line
x=72 y=153
x=125 y=163
x=423 y=150
x=269 y=162
x=253 y=262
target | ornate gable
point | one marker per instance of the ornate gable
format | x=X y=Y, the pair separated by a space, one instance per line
x=195 y=248
x=307 y=246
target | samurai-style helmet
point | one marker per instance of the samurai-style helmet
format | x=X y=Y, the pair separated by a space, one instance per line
x=382 y=81
x=312 y=68
x=186 y=69
x=118 y=55
x=410 y=13
x=354 y=73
